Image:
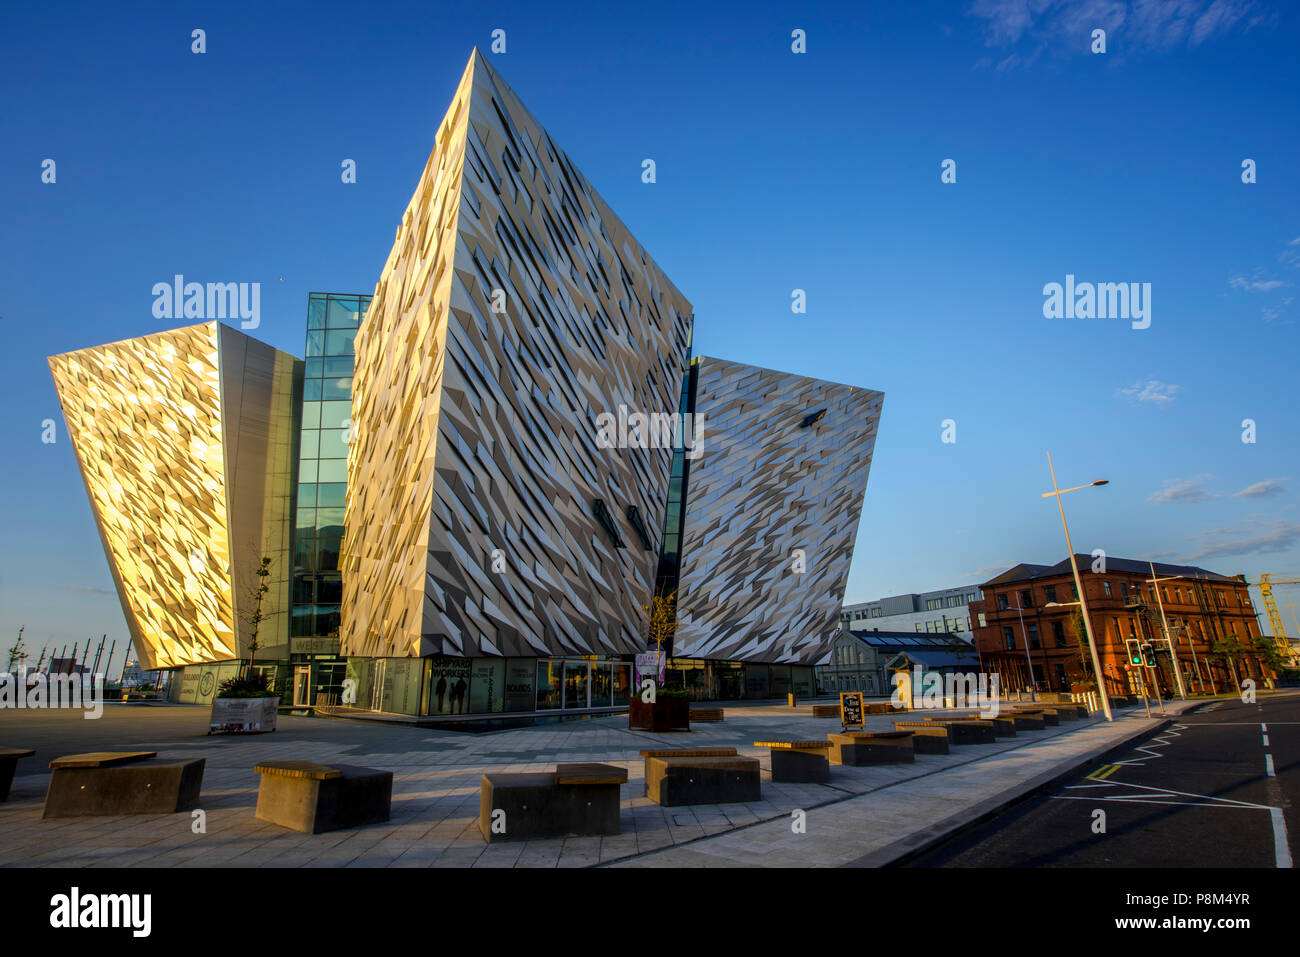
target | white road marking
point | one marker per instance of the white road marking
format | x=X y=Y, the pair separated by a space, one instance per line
x=1268 y=765
x=1266 y=741
x=1135 y=799
x=1263 y=727
x=1211 y=800
x=1281 y=850
x=1174 y=732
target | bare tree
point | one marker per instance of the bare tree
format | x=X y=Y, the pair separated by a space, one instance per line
x=257 y=591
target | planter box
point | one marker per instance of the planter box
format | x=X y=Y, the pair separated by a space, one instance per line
x=243 y=715
x=665 y=714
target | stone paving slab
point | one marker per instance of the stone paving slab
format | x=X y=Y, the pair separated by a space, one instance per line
x=436 y=792
x=897 y=820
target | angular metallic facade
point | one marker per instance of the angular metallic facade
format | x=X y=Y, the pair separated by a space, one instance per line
x=186 y=441
x=514 y=309
x=777 y=485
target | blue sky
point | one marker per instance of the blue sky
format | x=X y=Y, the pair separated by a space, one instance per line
x=776 y=171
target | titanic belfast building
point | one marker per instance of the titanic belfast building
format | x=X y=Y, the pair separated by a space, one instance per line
x=483 y=471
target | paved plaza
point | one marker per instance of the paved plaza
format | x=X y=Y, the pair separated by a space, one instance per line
x=867 y=815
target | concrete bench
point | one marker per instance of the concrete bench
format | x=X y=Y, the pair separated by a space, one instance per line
x=311 y=798
x=931 y=738
x=799 y=761
x=121 y=782
x=1004 y=726
x=1069 y=711
x=1023 y=721
x=685 y=753
x=826 y=711
x=716 y=779
x=8 y=762
x=859 y=748
x=1050 y=716
x=579 y=799
x=706 y=714
x=965 y=732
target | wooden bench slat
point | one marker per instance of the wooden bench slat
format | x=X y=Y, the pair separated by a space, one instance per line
x=793 y=745
x=298 y=769
x=101 y=759
x=15 y=753
x=690 y=753
x=589 y=774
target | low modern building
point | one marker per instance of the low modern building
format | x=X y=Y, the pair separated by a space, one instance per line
x=866 y=660
x=942 y=612
x=495 y=464
x=1030 y=617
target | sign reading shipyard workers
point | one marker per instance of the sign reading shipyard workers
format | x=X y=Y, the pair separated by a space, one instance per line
x=852 y=710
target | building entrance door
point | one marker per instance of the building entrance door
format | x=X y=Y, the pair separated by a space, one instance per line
x=302 y=685
x=576 y=684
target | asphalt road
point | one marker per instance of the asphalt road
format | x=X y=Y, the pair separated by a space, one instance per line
x=1219 y=788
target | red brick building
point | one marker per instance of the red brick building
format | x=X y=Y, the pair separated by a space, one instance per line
x=1212 y=622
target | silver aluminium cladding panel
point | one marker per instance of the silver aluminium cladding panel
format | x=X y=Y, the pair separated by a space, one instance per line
x=772 y=508
x=514 y=309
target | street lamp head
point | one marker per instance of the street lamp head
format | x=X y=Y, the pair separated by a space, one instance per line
x=1102 y=482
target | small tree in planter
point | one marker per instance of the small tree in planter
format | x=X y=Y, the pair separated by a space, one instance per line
x=657 y=708
x=244 y=703
x=247 y=703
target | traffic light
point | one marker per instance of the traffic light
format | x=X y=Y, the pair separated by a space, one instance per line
x=1148 y=655
x=1134 y=653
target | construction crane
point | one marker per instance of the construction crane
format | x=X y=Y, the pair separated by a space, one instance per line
x=1265 y=584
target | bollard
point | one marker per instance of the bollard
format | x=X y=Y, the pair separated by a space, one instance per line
x=790 y=696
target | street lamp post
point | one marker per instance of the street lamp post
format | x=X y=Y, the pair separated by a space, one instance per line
x=1173 y=655
x=1078 y=583
x=1033 y=687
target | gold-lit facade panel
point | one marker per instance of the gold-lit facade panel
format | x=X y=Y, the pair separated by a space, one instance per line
x=156 y=445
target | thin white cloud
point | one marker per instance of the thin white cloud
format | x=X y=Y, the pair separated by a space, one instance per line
x=1264 y=489
x=980 y=574
x=1248 y=538
x=1152 y=390
x=1256 y=283
x=1132 y=27
x=1190 y=491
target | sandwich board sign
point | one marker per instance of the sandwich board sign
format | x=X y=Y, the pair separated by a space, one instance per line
x=852 y=710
